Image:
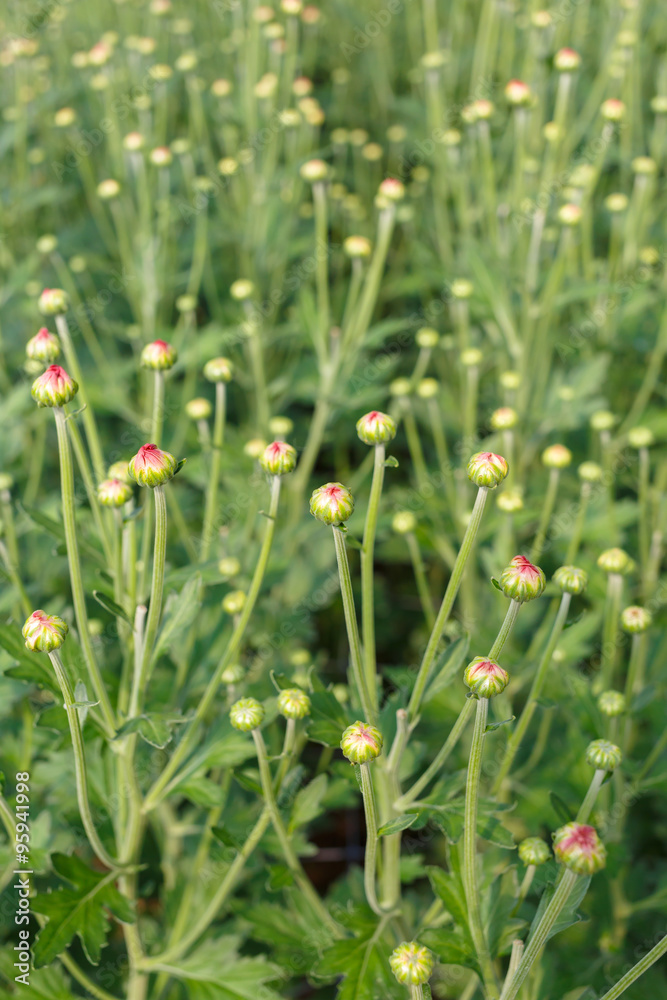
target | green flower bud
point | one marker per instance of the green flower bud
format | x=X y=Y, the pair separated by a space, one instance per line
x=294 y=703
x=510 y=501
x=242 y=289
x=198 y=408
x=534 y=851
x=602 y=420
x=314 y=171
x=615 y=561
x=53 y=302
x=246 y=714
x=332 y=503
x=114 y=492
x=229 y=566
x=556 y=456
x=427 y=338
x=579 y=848
x=486 y=469
x=411 y=963
x=571 y=579
x=44 y=347
x=611 y=703
x=485 y=677
x=278 y=458
x=403 y=522
x=159 y=356
x=233 y=602
x=361 y=743
x=521 y=580
x=119 y=470
x=635 y=619
x=152 y=467
x=254 y=448
x=504 y=418
x=641 y=437
x=603 y=755
x=219 y=370
x=54 y=387
x=590 y=472
x=233 y=674
x=280 y=427
x=376 y=428
x=44 y=633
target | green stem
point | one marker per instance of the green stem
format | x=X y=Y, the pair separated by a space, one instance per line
x=370 y=855
x=214 y=476
x=545 y=517
x=189 y=737
x=586 y=807
x=578 y=529
x=92 y=435
x=420 y=579
x=637 y=970
x=447 y=604
x=469 y=867
x=439 y=760
x=609 y=630
x=141 y=677
x=367 y=701
x=505 y=629
x=76 y=581
x=367 y=595
x=79 y=762
x=322 y=260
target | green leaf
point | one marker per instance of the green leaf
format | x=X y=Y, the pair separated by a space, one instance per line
x=30 y=667
x=56 y=529
x=156 y=728
x=81 y=911
x=451 y=947
x=496 y=584
x=449 y=664
x=179 y=611
x=203 y=792
x=492 y=726
x=353 y=543
x=222 y=834
x=561 y=808
x=568 y=915
x=215 y=971
x=327 y=718
x=448 y=887
x=111 y=606
x=390 y=462
x=363 y=962
x=397 y=824
x=308 y=802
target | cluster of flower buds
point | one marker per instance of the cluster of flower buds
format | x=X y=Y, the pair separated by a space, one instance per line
x=571 y=579
x=54 y=387
x=43 y=633
x=522 y=581
x=485 y=677
x=486 y=469
x=293 y=703
x=278 y=458
x=158 y=355
x=376 y=428
x=361 y=743
x=332 y=503
x=579 y=848
x=246 y=714
x=603 y=755
x=44 y=347
x=411 y=963
x=152 y=467
x=534 y=851
x=114 y=492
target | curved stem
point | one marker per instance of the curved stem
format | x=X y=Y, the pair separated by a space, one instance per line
x=155 y=608
x=370 y=854
x=505 y=629
x=367 y=553
x=214 y=476
x=367 y=703
x=637 y=970
x=586 y=807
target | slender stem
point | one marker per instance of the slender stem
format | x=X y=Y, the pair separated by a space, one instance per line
x=469 y=867
x=189 y=737
x=289 y=742
x=586 y=807
x=322 y=259
x=293 y=863
x=92 y=435
x=420 y=579
x=578 y=529
x=367 y=702
x=214 y=475
x=157 y=417
x=76 y=581
x=439 y=760
x=637 y=970
x=515 y=960
x=514 y=741
x=370 y=855
x=609 y=630
x=75 y=970
x=505 y=629
x=12 y=572
x=79 y=762
x=545 y=517
x=525 y=885
x=91 y=492
x=447 y=604
x=367 y=553
x=539 y=936
x=155 y=608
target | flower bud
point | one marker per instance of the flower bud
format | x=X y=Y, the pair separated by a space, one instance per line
x=161 y=156
x=119 y=470
x=602 y=420
x=376 y=428
x=427 y=338
x=232 y=674
x=233 y=602
x=219 y=370
x=556 y=456
x=411 y=963
x=635 y=619
x=521 y=580
x=486 y=469
x=159 y=355
x=612 y=110
x=570 y=214
x=294 y=703
x=314 y=171
x=485 y=677
x=641 y=437
x=403 y=522
x=603 y=755
x=510 y=501
x=427 y=388
x=281 y=427
x=254 y=448
x=461 y=288
x=472 y=357
x=242 y=289
x=611 y=703
x=504 y=418
x=615 y=561
x=616 y=202
x=571 y=579
x=534 y=851
x=590 y=472
x=246 y=714
x=108 y=189
x=361 y=743
x=229 y=566
x=44 y=347
x=152 y=467
x=44 y=633
x=357 y=246
x=278 y=458
x=579 y=848
x=114 y=492
x=53 y=302
x=392 y=189
x=518 y=93
x=198 y=408
x=332 y=503
x=567 y=60
x=54 y=387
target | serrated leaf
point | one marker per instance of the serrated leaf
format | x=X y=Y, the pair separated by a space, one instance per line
x=43 y=984
x=397 y=824
x=215 y=971
x=156 y=728
x=82 y=911
x=451 y=947
x=308 y=802
x=109 y=605
x=363 y=962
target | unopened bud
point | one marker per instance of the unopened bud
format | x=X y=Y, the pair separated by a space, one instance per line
x=159 y=355
x=246 y=714
x=579 y=848
x=603 y=755
x=53 y=302
x=411 y=963
x=314 y=171
x=590 y=472
x=485 y=677
x=611 y=703
x=108 y=189
x=510 y=501
x=521 y=580
x=361 y=743
x=486 y=469
x=534 y=851
x=635 y=619
x=504 y=418
x=280 y=427
x=357 y=246
x=392 y=189
x=242 y=289
x=294 y=703
x=571 y=579
x=376 y=428
x=43 y=633
x=54 y=387
x=219 y=370
x=404 y=522
x=234 y=602
x=278 y=458
x=229 y=566
x=233 y=674
x=615 y=561
x=332 y=503
x=119 y=470
x=44 y=347
x=114 y=492
x=640 y=437
x=567 y=60
x=602 y=420
x=570 y=214
x=198 y=408
x=151 y=466
x=613 y=110
x=518 y=93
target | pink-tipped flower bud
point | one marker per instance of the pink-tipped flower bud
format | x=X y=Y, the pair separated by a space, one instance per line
x=518 y=93
x=411 y=963
x=278 y=458
x=53 y=302
x=615 y=561
x=635 y=619
x=44 y=633
x=613 y=110
x=44 y=347
x=314 y=171
x=361 y=743
x=571 y=579
x=376 y=428
x=556 y=456
x=504 y=418
x=485 y=677
x=294 y=703
x=603 y=755
x=54 y=387
x=357 y=246
x=611 y=703
x=570 y=214
x=534 y=851
x=219 y=370
x=392 y=189
x=152 y=467
x=486 y=469
x=567 y=60
x=114 y=492
x=332 y=503
x=579 y=848
x=521 y=580
x=246 y=714
x=159 y=355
